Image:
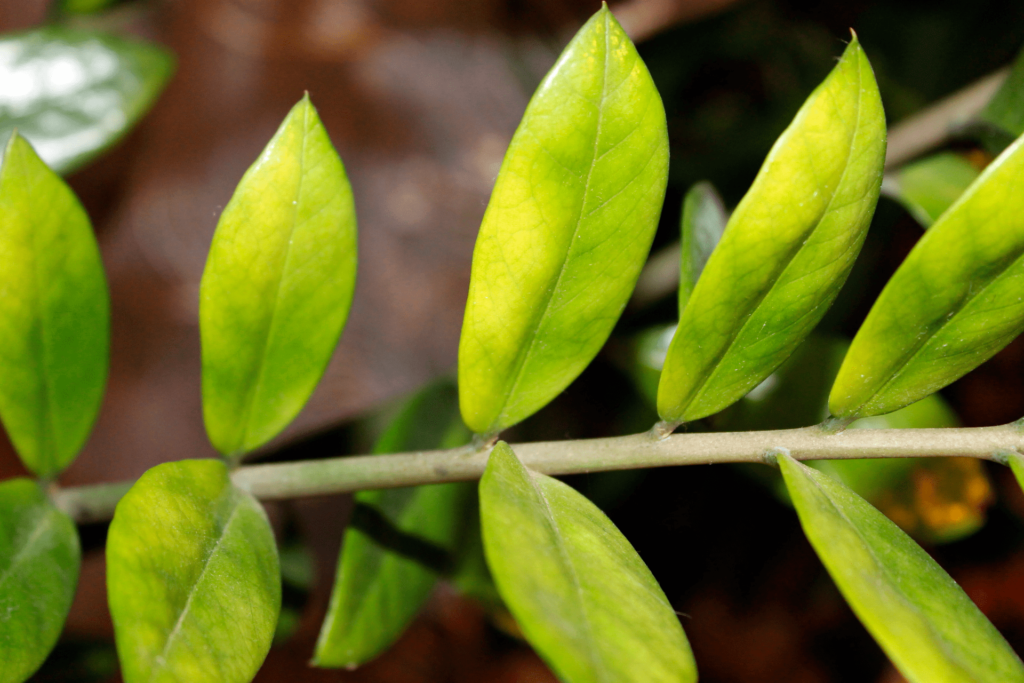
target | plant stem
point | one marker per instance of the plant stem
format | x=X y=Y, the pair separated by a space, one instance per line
x=346 y=474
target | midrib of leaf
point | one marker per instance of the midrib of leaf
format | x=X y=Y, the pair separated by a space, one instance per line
x=936 y=638
x=44 y=524
x=1015 y=259
x=41 y=342
x=255 y=387
x=160 y=661
x=525 y=353
x=734 y=337
x=595 y=660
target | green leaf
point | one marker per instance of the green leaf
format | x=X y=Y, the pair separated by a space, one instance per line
x=1016 y=463
x=930 y=186
x=55 y=321
x=192 y=577
x=922 y=619
x=277 y=286
x=953 y=303
x=85 y=6
x=582 y=596
x=39 y=561
x=398 y=542
x=702 y=225
x=1006 y=108
x=787 y=248
x=567 y=230
x=73 y=93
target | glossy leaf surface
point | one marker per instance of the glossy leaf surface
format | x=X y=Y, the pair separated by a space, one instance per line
x=73 y=92
x=398 y=541
x=39 y=562
x=580 y=593
x=787 y=248
x=930 y=186
x=192 y=577
x=922 y=619
x=953 y=303
x=277 y=286
x=567 y=230
x=55 y=321
x=702 y=225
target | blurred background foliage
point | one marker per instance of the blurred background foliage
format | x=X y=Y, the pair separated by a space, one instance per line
x=421 y=97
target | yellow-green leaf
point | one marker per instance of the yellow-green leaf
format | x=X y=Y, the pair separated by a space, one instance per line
x=277 y=286
x=578 y=590
x=39 y=561
x=55 y=318
x=953 y=303
x=567 y=230
x=923 y=620
x=192 y=577
x=786 y=250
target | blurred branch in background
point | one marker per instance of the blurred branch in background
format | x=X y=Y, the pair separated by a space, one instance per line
x=643 y=19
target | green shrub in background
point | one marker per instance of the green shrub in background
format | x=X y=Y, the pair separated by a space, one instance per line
x=194 y=576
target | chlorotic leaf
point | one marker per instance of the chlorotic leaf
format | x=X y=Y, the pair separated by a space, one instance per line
x=787 y=248
x=55 y=321
x=930 y=186
x=702 y=225
x=192 y=577
x=580 y=593
x=39 y=562
x=398 y=542
x=277 y=286
x=1006 y=108
x=921 y=618
x=567 y=230
x=73 y=93
x=953 y=303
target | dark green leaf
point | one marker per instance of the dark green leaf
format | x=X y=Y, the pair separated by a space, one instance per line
x=567 y=230
x=398 y=542
x=1006 y=109
x=702 y=225
x=952 y=304
x=73 y=93
x=277 y=286
x=192 y=577
x=55 y=321
x=787 y=249
x=582 y=596
x=922 y=619
x=930 y=186
x=39 y=561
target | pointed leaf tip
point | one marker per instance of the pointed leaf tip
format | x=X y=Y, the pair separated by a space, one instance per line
x=775 y=273
x=277 y=286
x=566 y=231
